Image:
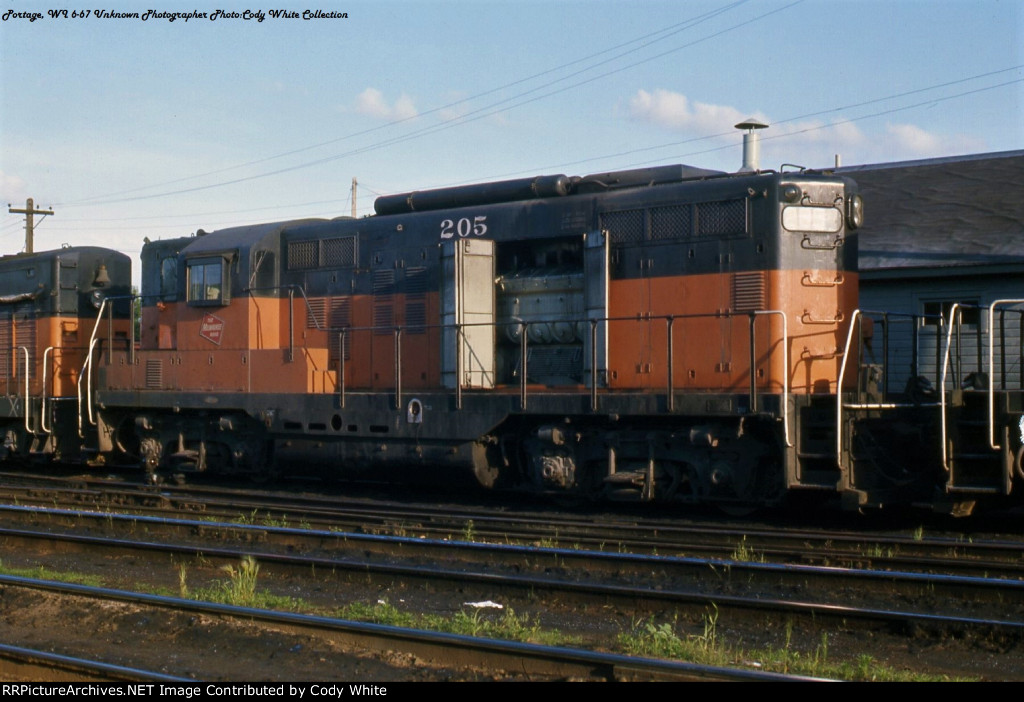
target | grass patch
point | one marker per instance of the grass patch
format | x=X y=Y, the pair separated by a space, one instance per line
x=661 y=641
x=507 y=625
x=41 y=573
x=743 y=552
x=240 y=589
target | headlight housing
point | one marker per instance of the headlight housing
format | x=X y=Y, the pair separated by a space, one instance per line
x=854 y=211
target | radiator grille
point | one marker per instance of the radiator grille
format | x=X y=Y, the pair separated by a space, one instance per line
x=722 y=218
x=624 y=227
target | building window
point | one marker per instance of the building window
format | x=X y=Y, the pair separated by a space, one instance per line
x=208 y=282
x=970 y=312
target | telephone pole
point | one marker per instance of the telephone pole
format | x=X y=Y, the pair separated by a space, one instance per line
x=29 y=212
x=354 y=184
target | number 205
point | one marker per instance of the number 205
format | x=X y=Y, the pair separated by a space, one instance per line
x=464 y=227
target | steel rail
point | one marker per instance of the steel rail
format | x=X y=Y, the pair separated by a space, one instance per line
x=996 y=592
x=438 y=647
x=17 y=662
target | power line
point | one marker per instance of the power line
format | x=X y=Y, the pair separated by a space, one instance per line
x=783 y=121
x=667 y=32
x=691 y=140
x=451 y=122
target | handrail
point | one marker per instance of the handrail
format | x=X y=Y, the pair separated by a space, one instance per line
x=28 y=403
x=398 y=368
x=87 y=370
x=942 y=385
x=341 y=368
x=854 y=324
x=785 y=364
x=991 y=371
x=42 y=403
x=459 y=330
x=87 y=375
x=854 y=321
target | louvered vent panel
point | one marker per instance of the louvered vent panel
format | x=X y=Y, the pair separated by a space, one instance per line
x=383 y=306
x=154 y=373
x=316 y=314
x=748 y=292
x=341 y=313
x=5 y=346
x=340 y=317
x=416 y=300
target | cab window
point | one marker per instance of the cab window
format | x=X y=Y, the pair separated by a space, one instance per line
x=207 y=282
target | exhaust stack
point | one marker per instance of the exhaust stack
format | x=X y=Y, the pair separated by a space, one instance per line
x=751 y=145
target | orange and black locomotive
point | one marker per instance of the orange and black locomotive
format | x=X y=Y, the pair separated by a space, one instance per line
x=661 y=333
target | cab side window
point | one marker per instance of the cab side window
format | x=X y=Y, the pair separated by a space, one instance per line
x=208 y=282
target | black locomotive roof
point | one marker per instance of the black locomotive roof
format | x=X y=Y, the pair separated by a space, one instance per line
x=953 y=213
x=20 y=259
x=241 y=238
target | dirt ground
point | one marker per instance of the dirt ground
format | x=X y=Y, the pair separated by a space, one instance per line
x=211 y=649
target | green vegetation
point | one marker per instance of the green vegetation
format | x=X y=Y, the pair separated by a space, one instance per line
x=239 y=589
x=646 y=638
x=41 y=573
x=742 y=552
x=508 y=625
x=661 y=641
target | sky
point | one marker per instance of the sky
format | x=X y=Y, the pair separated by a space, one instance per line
x=131 y=128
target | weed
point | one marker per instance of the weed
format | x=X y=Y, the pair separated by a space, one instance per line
x=706 y=641
x=508 y=625
x=661 y=641
x=742 y=552
x=42 y=573
x=240 y=590
x=242 y=587
x=249 y=519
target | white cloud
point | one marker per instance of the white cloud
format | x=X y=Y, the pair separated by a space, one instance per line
x=371 y=102
x=812 y=142
x=913 y=139
x=676 y=111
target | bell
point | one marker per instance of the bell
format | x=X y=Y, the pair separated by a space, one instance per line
x=102 y=278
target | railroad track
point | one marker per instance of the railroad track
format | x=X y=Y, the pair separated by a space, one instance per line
x=518 y=660
x=580 y=576
x=961 y=554
x=24 y=664
x=639 y=586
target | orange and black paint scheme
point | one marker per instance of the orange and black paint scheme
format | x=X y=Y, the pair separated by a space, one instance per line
x=666 y=333
x=51 y=342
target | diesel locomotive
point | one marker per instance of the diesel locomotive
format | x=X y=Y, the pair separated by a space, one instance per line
x=665 y=333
